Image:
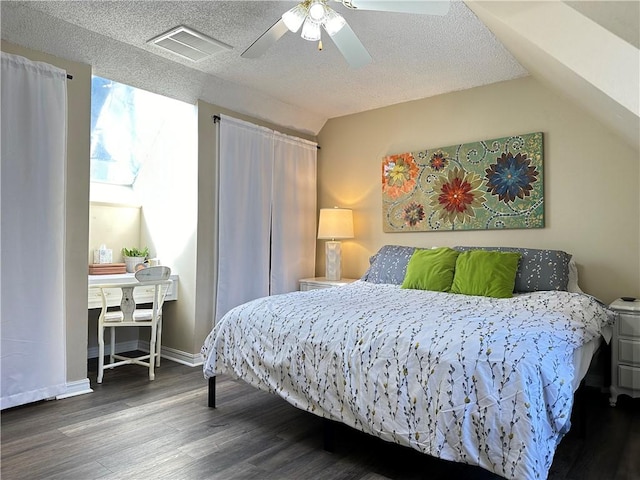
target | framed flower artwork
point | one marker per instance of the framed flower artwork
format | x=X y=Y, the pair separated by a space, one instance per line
x=485 y=185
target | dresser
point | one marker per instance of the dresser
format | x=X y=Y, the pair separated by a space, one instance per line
x=625 y=350
x=322 y=282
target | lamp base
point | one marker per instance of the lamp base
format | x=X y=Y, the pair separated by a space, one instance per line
x=333 y=255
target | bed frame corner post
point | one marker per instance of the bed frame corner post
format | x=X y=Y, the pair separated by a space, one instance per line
x=212 y=393
x=328 y=435
x=581 y=399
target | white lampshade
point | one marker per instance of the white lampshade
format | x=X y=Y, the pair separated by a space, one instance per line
x=310 y=30
x=333 y=22
x=335 y=223
x=293 y=18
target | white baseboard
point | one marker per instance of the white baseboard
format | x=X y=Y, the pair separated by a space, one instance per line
x=79 y=387
x=189 y=359
x=120 y=347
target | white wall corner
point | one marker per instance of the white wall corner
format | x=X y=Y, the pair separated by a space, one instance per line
x=79 y=387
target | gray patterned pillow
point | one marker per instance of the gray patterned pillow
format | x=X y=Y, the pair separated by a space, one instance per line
x=539 y=270
x=389 y=265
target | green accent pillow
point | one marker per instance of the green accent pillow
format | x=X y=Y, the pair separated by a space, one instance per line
x=486 y=273
x=431 y=269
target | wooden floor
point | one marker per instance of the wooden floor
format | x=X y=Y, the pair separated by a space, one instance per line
x=130 y=428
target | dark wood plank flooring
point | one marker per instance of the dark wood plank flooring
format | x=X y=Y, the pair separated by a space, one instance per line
x=130 y=428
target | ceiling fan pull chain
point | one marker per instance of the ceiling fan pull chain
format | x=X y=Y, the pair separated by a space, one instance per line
x=319 y=45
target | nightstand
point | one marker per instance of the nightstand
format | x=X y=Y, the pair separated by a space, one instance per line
x=322 y=282
x=625 y=351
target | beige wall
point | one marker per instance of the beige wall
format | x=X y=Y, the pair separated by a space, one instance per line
x=115 y=226
x=77 y=205
x=592 y=178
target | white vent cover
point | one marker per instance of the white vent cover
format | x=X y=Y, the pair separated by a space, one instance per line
x=189 y=44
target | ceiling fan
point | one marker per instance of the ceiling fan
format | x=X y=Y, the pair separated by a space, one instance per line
x=312 y=14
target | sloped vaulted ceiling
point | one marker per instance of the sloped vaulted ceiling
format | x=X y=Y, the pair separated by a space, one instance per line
x=588 y=51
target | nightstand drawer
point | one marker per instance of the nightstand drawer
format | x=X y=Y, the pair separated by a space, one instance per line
x=629 y=351
x=629 y=377
x=312 y=286
x=629 y=325
x=321 y=282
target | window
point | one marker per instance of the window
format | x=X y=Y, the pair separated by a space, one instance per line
x=126 y=125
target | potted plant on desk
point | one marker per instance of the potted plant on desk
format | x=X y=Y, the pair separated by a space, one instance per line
x=134 y=256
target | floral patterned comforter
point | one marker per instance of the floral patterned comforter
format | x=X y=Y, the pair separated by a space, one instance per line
x=471 y=379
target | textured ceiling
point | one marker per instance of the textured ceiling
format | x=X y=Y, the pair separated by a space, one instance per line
x=294 y=85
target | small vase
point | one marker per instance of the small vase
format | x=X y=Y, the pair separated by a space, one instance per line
x=131 y=263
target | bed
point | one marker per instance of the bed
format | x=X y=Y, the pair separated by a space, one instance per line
x=471 y=378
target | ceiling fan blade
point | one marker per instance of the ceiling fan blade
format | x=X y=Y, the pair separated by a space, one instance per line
x=266 y=40
x=351 y=47
x=428 y=7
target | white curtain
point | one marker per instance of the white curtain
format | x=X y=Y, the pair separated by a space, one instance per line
x=32 y=201
x=293 y=220
x=266 y=213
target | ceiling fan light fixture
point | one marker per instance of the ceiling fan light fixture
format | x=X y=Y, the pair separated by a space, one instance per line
x=311 y=30
x=333 y=22
x=294 y=18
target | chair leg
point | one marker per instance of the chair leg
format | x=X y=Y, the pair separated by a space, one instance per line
x=152 y=351
x=159 y=341
x=112 y=332
x=100 y=353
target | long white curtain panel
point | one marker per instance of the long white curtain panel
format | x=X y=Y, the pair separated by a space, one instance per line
x=293 y=222
x=32 y=316
x=266 y=213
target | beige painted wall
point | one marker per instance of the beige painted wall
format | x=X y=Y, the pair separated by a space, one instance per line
x=77 y=205
x=116 y=226
x=592 y=178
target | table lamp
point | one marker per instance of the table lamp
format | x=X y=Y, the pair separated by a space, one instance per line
x=335 y=223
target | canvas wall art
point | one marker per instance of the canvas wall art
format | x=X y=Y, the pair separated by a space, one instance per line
x=485 y=185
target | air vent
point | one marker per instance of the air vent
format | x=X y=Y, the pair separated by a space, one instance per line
x=189 y=44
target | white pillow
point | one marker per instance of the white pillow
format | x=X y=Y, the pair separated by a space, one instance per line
x=572 y=284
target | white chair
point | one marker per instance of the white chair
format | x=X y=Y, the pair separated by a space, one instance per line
x=153 y=280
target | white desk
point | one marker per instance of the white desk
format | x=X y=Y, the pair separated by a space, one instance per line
x=143 y=294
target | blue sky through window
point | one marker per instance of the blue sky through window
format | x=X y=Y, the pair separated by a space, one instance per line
x=125 y=124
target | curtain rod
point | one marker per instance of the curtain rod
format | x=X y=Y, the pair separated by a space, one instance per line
x=216 y=119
